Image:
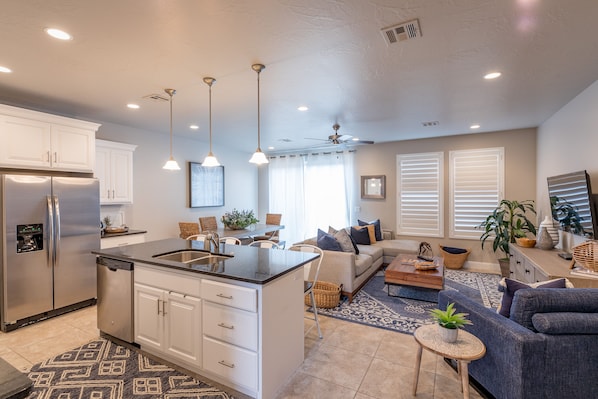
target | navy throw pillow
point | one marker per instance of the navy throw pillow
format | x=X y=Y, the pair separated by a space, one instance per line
x=328 y=242
x=454 y=251
x=513 y=285
x=361 y=236
x=377 y=228
x=355 y=244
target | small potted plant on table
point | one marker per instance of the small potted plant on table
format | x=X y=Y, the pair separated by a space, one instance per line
x=239 y=220
x=449 y=322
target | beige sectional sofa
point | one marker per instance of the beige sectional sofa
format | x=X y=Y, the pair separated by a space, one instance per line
x=353 y=271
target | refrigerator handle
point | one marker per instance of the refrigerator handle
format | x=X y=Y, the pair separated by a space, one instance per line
x=57 y=232
x=50 y=231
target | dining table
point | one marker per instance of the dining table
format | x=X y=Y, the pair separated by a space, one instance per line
x=253 y=230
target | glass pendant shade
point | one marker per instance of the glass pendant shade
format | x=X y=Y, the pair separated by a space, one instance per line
x=258 y=156
x=210 y=159
x=171 y=164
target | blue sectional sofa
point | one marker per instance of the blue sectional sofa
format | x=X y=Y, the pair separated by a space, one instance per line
x=547 y=348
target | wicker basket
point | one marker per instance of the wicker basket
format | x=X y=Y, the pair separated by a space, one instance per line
x=586 y=254
x=327 y=295
x=454 y=261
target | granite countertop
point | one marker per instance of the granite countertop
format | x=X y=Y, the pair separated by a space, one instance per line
x=249 y=264
x=126 y=233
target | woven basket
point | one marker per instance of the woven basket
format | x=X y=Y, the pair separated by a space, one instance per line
x=327 y=295
x=454 y=261
x=586 y=254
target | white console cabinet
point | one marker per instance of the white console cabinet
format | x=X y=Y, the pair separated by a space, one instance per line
x=35 y=140
x=114 y=170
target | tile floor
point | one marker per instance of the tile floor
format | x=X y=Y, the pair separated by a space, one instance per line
x=352 y=361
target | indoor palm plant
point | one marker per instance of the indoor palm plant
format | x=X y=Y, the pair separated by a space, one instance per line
x=449 y=321
x=506 y=222
x=238 y=220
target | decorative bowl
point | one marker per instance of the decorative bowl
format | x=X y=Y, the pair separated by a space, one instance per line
x=525 y=242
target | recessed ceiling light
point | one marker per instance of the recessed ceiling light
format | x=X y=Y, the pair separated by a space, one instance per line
x=270 y=148
x=355 y=139
x=194 y=127
x=58 y=34
x=133 y=106
x=492 y=75
x=302 y=108
x=4 y=69
x=475 y=126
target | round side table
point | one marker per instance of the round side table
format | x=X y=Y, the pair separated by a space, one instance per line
x=467 y=348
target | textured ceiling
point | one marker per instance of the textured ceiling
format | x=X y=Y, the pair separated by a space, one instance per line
x=327 y=55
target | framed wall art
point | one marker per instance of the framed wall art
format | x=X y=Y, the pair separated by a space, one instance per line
x=373 y=187
x=206 y=185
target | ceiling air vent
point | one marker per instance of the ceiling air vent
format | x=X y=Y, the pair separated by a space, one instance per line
x=405 y=31
x=159 y=98
x=430 y=123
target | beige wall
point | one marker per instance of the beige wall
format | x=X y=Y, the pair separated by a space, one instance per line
x=380 y=159
x=160 y=196
x=568 y=142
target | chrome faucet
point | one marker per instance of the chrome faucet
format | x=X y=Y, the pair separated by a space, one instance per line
x=212 y=239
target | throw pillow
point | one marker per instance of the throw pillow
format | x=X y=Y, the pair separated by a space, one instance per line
x=377 y=228
x=509 y=287
x=343 y=239
x=360 y=235
x=328 y=242
x=333 y=231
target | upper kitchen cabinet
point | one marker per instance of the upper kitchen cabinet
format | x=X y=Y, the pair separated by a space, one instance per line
x=36 y=140
x=114 y=169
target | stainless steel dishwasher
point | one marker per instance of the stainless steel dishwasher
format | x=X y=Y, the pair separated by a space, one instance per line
x=115 y=298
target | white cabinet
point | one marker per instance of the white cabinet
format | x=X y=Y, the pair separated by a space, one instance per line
x=168 y=315
x=114 y=169
x=122 y=240
x=35 y=140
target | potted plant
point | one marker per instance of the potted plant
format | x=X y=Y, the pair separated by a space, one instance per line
x=507 y=222
x=449 y=322
x=239 y=220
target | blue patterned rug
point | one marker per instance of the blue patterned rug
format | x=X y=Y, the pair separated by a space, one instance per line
x=373 y=306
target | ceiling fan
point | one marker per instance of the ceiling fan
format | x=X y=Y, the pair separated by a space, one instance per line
x=341 y=138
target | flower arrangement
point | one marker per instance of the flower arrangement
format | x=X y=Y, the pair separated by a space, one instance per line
x=238 y=220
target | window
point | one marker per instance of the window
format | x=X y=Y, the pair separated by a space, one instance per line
x=476 y=184
x=420 y=190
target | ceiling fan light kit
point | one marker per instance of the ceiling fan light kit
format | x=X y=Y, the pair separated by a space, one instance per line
x=210 y=159
x=258 y=156
x=171 y=164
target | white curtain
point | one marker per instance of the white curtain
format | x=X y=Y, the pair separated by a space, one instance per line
x=311 y=191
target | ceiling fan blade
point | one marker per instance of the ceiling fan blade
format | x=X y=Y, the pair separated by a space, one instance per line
x=311 y=138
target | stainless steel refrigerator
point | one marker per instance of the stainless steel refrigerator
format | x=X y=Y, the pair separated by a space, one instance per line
x=49 y=226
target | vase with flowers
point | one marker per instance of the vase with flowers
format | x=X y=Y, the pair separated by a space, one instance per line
x=238 y=220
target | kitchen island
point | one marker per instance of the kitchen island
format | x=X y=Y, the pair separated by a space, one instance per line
x=235 y=316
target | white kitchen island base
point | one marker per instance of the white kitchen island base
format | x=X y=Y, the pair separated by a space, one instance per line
x=246 y=336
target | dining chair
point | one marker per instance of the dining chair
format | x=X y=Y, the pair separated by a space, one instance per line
x=265 y=244
x=208 y=223
x=271 y=218
x=230 y=240
x=197 y=237
x=311 y=271
x=188 y=228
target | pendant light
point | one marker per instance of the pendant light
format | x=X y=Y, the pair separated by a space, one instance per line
x=210 y=159
x=171 y=164
x=258 y=156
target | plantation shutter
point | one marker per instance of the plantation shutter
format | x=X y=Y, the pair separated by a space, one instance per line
x=420 y=194
x=476 y=183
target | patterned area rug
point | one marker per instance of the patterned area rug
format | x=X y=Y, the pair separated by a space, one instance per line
x=104 y=370
x=373 y=306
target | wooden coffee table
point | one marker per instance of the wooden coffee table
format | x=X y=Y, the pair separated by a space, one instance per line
x=401 y=271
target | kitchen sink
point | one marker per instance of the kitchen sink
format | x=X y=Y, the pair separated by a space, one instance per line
x=197 y=257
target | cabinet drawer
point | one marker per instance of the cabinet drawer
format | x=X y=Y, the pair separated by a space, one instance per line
x=119 y=241
x=230 y=295
x=168 y=281
x=235 y=326
x=232 y=363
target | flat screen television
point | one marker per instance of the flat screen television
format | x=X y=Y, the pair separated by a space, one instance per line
x=572 y=203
